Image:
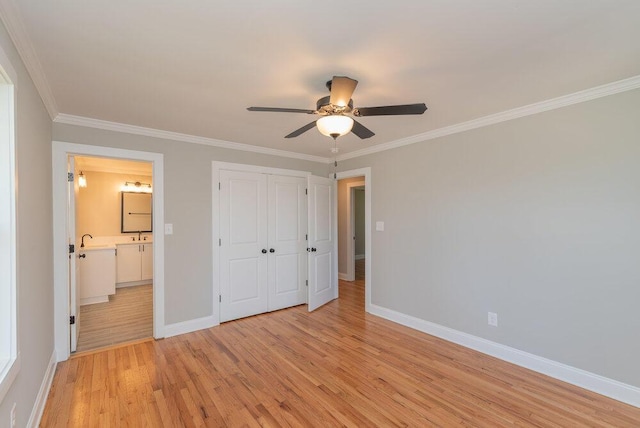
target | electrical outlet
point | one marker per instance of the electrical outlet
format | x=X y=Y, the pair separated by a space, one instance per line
x=493 y=319
x=13 y=416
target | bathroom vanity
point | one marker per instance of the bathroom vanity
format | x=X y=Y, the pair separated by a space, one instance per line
x=96 y=274
x=135 y=263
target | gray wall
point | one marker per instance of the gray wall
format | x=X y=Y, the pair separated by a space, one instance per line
x=187 y=199
x=34 y=241
x=537 y=219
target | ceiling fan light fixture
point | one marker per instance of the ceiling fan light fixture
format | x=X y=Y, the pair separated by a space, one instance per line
x=334 y=126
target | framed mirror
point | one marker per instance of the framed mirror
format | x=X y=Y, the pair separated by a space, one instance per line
x=136 y=212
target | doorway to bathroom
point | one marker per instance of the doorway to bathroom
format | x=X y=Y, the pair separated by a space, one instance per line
x=112 y=220
x=64 y=241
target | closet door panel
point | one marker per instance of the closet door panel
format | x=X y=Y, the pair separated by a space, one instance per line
x=243 y=234
x=287 y=241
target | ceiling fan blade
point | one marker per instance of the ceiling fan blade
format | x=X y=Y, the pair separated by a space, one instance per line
x=390 y=110
x=342 y=88
x=301 y=130
x=361 y=131
x=281 y=110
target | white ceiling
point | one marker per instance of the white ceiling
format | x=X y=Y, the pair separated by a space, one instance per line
x=194 y=66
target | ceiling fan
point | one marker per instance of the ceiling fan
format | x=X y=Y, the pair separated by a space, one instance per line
x=337 y=108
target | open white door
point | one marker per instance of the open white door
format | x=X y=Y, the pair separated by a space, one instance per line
x=323 y=241
x=74 y=295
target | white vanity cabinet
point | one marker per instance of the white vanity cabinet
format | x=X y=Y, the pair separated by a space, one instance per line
x=96 y=274
x=135 y=262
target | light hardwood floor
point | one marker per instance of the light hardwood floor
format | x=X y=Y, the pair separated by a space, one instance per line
x=334 y=367
x=127 y=316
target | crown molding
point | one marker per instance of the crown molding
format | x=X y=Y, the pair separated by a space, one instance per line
x=492 y=119
x=68 y=119
x=14 y=24
x=528 y=110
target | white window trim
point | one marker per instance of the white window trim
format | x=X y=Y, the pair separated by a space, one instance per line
x=10 y=361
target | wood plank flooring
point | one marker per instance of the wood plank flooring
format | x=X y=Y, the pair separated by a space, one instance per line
x=337 y=366
x=127 y=316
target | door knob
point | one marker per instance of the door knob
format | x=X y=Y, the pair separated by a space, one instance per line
x=82 y=256
x=264 y=251
x=313 y=250
x=271 y=250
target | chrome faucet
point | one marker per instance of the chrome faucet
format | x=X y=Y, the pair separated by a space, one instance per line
x=86 y=234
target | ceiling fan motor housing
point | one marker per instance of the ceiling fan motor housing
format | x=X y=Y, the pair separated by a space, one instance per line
x=324 y=106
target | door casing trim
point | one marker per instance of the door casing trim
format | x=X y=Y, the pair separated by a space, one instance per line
x=60 y=151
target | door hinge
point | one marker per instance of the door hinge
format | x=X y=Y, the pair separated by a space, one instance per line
x=306 y=191
x=219 y=186
x=72 y=248
x=306 y=237
x=306 y=282
x=70 y=177
x=116 y=252
x=72 y=319
x=220 y=242
x=220 y=298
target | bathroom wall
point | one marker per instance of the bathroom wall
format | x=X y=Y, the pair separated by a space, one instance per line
x=98 y=204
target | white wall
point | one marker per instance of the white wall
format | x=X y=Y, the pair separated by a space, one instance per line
x=34 y=242
x=537 y=219
x=187 y=196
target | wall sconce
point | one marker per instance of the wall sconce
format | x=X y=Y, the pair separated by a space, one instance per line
x=82 y=180
x=136 y=186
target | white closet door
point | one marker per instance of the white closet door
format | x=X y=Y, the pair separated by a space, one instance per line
x=287 y=241
x=243 y=234
x=323 y=239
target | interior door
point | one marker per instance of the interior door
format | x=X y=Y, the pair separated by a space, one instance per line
x=323 y=241
x=243 y=244
x=287 y=219
x=74 y=295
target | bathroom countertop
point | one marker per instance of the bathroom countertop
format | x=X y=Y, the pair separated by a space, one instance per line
x=98 y=247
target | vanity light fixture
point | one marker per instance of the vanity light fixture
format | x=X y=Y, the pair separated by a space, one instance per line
x=136 y=186
x=82 y=180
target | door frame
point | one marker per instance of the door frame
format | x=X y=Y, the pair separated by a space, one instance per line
x=216 y=167
x=60 y=151
x=350 y=275
x=368 y=280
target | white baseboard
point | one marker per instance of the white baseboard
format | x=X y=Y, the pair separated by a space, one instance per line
x=360 y=256
x=189 y=326
x=343 y=276
x=599 y=384
x=134 y=283
x=94 y=300
x=41 y=399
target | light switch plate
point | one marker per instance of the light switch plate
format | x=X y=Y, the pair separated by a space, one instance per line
x=168 y=229
x=380 y=226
